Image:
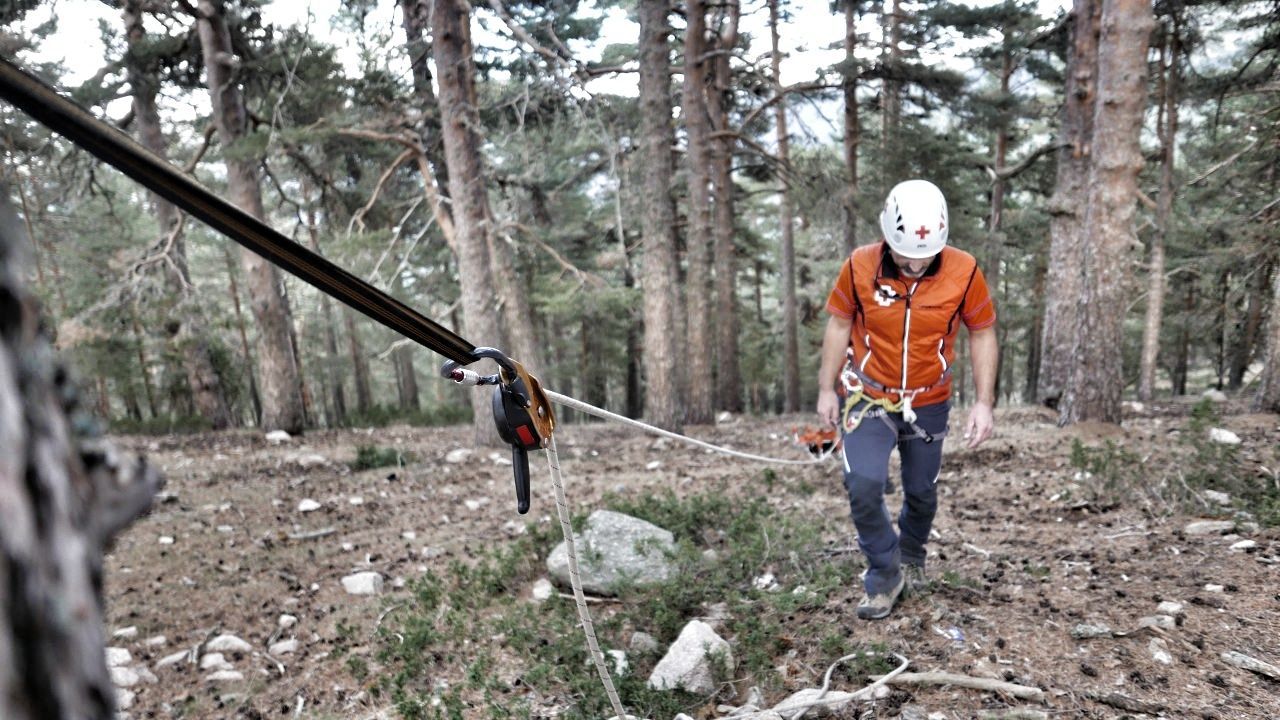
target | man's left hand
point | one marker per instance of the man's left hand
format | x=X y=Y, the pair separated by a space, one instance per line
x=981 y=424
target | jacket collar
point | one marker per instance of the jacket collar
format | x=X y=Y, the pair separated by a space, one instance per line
x=889 y=269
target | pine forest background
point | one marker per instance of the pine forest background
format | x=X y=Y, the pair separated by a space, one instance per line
x=664 y=250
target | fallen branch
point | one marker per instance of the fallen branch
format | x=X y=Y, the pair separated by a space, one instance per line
x=1244 y=662
x=1022 y=692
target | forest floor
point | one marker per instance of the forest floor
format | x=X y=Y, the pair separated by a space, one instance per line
x=1029 y=545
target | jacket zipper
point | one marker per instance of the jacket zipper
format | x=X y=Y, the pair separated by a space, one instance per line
x=906 y=334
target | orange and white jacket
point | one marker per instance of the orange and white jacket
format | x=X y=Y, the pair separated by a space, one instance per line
x=904 y=330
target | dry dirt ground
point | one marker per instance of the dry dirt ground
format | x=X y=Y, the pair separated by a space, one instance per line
x=1021 y=556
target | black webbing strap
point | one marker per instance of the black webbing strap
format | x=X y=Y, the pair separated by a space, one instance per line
x=122 y=152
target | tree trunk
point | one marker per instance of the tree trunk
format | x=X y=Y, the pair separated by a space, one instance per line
x=658 y=275
x=1182 y=363
x=729 y=389
x=186 y=331
x=144 y=365
x=1067 y=206
x=1168 y=131
x=65 y=496
x=891 y=103
x=1035 y=332
x=331 y=378
x=459 y=120
x=995 y=236
x=416 y=22
x=244 y=337
x=699 y=405
x=281 y=389
x=852 y=126
x=1097 y=376
x=1269 y=387
x=1243 y=352
x=790 y=333
x=359 y=363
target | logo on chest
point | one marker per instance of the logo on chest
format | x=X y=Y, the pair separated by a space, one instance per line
x=886 y=296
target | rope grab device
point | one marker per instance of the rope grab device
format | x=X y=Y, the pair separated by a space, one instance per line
x=521 y=410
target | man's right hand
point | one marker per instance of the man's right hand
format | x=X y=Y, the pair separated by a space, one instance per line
x=829 y=407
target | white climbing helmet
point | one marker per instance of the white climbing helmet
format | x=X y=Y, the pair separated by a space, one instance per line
x=914 y=219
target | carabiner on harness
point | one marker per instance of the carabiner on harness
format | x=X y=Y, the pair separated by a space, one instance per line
x=521 y=411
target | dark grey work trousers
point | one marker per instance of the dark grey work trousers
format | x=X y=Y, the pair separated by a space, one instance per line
x=866 y=470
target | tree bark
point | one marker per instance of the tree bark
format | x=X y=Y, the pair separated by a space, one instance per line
x=790 y=333
x=331 y=378
x=359 y=363
x=459 y=119
x=64 y=496
x=281 y=389
x=995 y=236
x=699 y=406
x=658 y=274
x=891 y=102
x=852 y=126
x=255 y=399
x=1168 y=131
x=186 y=331
x=1068 y=203
x=729 y=389
x=1097 y=377
x=1268 y=399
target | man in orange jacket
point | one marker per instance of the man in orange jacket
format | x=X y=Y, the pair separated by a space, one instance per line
x=885 y=378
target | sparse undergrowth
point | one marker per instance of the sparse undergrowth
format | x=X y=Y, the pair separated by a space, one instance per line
x=535 y=653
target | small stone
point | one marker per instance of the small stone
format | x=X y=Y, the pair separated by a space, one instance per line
x=275 y=437
x=126 y=633
x=363 y=583
x=643 y=642
x=653 y=465
x=355 y=500
x=765 y=582
x=542 y=590
x=1244 y=545
x=173 y=659
x=308 y=505
x=156 y=641
x=224 y=529
x=1163 y=622
x=166 y=540
x=1085 y=631
x=284 y=647
x=309 y=461
x=1214 y=395
x=125 y=698
x=124 y=677
x=1213 y=588
x=459 y=455
x=347 y=546
x=1169 y=607
x=620 y=665
x=224 y=676
x=1217 y=496
x=287 y=621
x=1209 y=527
x=214 y=661
x=227 y=643
x=146 y=675
x=1223 y=436
x=118 y=657
x=1160 y=651
x=473 y=504
x=409 y=535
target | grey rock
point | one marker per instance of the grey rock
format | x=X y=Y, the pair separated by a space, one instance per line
x=1160 y=651
x=227 y=643
x=126 y=633
x=125 y=698
x=1086 y=631
x=913 y=712
x=284 y=647
x=363 y=583
x=1169 y=607
x=1217 y=496
x=642 y=642
x=224 y=676
x=124 y=677
x=287 y=621
x=1209 y=527
x=542 y=590
x=457 y=456
x=275 y=437
x=118 y=657
x=1214 y=395
x=693 y=660
x=173 y=659
x=616 y=549
x=156 y=641
x=1223 y=436
x=1163 y=622
x=214 y=661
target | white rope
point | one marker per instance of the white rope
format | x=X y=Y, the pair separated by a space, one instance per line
x=569 y=402
x=562 y=509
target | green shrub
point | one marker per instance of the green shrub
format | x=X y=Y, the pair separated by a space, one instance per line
x=369 y=457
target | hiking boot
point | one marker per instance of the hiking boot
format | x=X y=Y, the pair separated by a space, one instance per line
x=917 y=583
x=875 y=607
